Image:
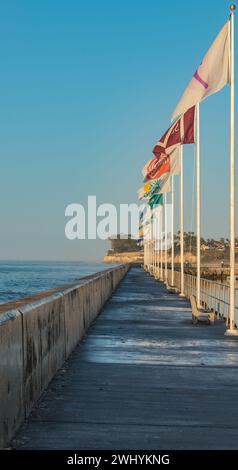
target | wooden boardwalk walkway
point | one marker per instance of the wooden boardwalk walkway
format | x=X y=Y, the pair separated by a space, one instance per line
x=143 y=378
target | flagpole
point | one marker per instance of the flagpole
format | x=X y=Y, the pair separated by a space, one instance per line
x=159 y=258
x=172 y=232
x=152 y=248
x=150 y=255
x=198 y=210
x=144 y=255
x=147 y=260
x=161 y=238
x=166 y=237
x=160 y=243
x=156 y=253
x=182 y=222
x=232 y=327
x=144 y=242
x=149 y=246
x=154 y=242
x=147 y=255
x=146 y=264
x=154 y=226
x=147 y=252
x=157 y=243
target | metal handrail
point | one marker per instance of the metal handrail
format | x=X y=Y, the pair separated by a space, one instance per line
x=214 y=295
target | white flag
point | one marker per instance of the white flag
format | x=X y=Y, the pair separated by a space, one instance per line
x=212 y=75
x=151 y=188
x=175 y=161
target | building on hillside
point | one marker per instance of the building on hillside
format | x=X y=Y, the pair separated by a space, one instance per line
x=121 y=244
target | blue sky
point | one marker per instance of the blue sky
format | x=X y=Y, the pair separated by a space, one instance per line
x=86 y=90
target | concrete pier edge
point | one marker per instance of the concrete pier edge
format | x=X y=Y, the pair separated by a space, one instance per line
x=37 y=337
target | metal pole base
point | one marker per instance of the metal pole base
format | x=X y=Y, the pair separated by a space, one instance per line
x=233 y=332
x=171 y=290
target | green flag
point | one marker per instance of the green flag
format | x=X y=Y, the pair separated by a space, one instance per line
x=156 y=200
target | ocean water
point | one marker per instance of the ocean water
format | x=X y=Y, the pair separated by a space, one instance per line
x=21 y=278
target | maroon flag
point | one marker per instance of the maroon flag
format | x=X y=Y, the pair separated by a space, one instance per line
x=181 y=132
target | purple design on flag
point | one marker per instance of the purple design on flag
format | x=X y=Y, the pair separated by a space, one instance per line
x=200 y=80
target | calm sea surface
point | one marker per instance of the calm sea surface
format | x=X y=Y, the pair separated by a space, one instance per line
x=21 y=278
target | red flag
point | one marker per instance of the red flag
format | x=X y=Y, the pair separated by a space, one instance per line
x=189 y=132
x=157 y=167
x=181 y=132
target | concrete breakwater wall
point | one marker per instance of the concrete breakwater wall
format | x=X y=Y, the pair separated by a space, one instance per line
x=37 y=337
